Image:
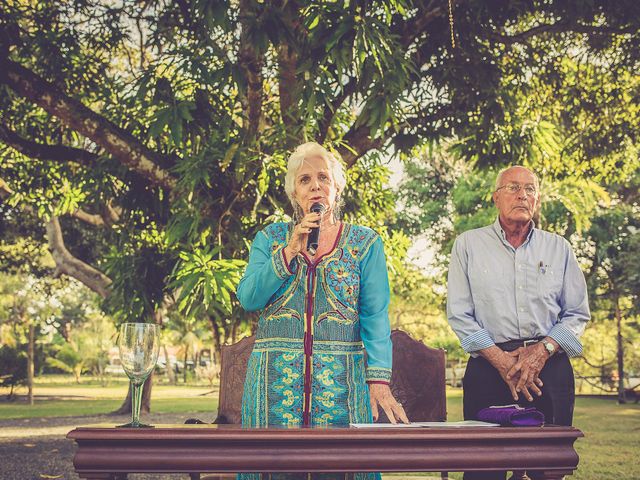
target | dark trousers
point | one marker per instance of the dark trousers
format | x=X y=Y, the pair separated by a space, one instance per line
x=483 y=386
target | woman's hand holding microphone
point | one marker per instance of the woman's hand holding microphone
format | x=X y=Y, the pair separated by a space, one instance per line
x=298 y=240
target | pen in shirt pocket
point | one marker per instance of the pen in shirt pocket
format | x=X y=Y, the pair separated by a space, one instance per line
x=542 y=267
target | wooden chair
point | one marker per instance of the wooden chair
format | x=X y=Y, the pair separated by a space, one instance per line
x=418 y=382
x=418 y=379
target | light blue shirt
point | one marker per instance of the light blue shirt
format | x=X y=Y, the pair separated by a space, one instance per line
x=497 y=293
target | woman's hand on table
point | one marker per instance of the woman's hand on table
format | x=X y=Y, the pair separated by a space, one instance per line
x=381 y=396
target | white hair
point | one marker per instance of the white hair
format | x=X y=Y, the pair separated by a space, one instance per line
x=306 y=151
x=504 y=170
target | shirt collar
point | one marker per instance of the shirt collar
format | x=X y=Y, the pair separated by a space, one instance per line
x=500 y=232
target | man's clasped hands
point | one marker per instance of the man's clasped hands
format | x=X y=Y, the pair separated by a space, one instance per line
x=520 y=369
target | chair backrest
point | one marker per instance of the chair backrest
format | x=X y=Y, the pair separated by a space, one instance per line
x=233 y=370
x=418 y=379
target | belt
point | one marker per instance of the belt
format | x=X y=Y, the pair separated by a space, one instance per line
x=516 y=344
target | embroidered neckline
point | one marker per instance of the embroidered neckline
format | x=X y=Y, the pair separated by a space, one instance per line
x=339 y=240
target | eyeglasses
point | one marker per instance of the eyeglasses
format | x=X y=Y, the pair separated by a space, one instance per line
x=515 y=188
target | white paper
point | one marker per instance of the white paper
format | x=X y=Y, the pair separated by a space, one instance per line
x=385 y=425
x=462 y=424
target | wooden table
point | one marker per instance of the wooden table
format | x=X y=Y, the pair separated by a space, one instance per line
x=104 y=451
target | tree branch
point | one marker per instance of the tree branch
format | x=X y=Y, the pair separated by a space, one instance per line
x=106 y=218
x=115 y=140
x=69 y=265
x=288 y=84
x=331 y=108
x=90 y=218
x=605 y=364
x=410 y=30
x=359 y=142
x=423 y=119
x=66 y=263
x=562 y=26
x=250 y=63
x=55 y=153
x=5 y=191
x=290 y=79
x=109 y=214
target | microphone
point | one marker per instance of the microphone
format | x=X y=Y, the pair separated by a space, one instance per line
x=314 y=234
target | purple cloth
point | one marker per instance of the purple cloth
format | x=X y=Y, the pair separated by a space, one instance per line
x=512 y=415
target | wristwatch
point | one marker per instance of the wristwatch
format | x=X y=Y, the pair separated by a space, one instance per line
x=549 y=347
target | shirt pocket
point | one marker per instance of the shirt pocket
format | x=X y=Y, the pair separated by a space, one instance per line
x=549 y=281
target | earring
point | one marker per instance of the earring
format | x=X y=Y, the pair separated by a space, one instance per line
x=337 y=207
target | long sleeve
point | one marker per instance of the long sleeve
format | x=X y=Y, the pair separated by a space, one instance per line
x=460 y=306
x=265 y=273
x=574 y=303
x=374 y=313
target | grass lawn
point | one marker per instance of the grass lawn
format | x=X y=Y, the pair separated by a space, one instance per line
x=57 y=396
x=608 y=451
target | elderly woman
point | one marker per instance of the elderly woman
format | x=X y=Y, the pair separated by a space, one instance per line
x=317 y=311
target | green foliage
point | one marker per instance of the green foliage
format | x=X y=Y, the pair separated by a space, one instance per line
x=570 y=203
x=612 y=245
x=95 y=337
x=139 y=283
x=70 y=333
x=472 y=201
x=424 y=193
x=69 y=359
x=205 y=282
x=598 y=363
x=368 y=200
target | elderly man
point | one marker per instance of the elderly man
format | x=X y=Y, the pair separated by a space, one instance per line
x=518 y=302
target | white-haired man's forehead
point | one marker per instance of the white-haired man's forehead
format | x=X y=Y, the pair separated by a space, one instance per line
x=505 y=171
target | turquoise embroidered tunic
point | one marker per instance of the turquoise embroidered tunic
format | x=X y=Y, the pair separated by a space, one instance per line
x=307 y=366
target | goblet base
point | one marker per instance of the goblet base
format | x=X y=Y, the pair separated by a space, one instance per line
x=135 y=425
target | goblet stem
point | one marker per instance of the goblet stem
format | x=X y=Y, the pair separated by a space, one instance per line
x=136 y=401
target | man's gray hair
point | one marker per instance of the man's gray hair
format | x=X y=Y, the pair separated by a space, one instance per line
x=504 y=170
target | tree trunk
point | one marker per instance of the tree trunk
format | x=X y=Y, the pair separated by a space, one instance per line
x=31 y=360
x=212 y=357
x=184 y=366
x=216 y=337
x=170 y=373
x=234 y=331
x=146 y=395
x=66 y=332
x=68 y=264
x=125 y=408
x=621 y=395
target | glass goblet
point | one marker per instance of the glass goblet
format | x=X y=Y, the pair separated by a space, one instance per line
x=139 y=344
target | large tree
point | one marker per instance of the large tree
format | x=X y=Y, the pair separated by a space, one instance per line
x=151 y=136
